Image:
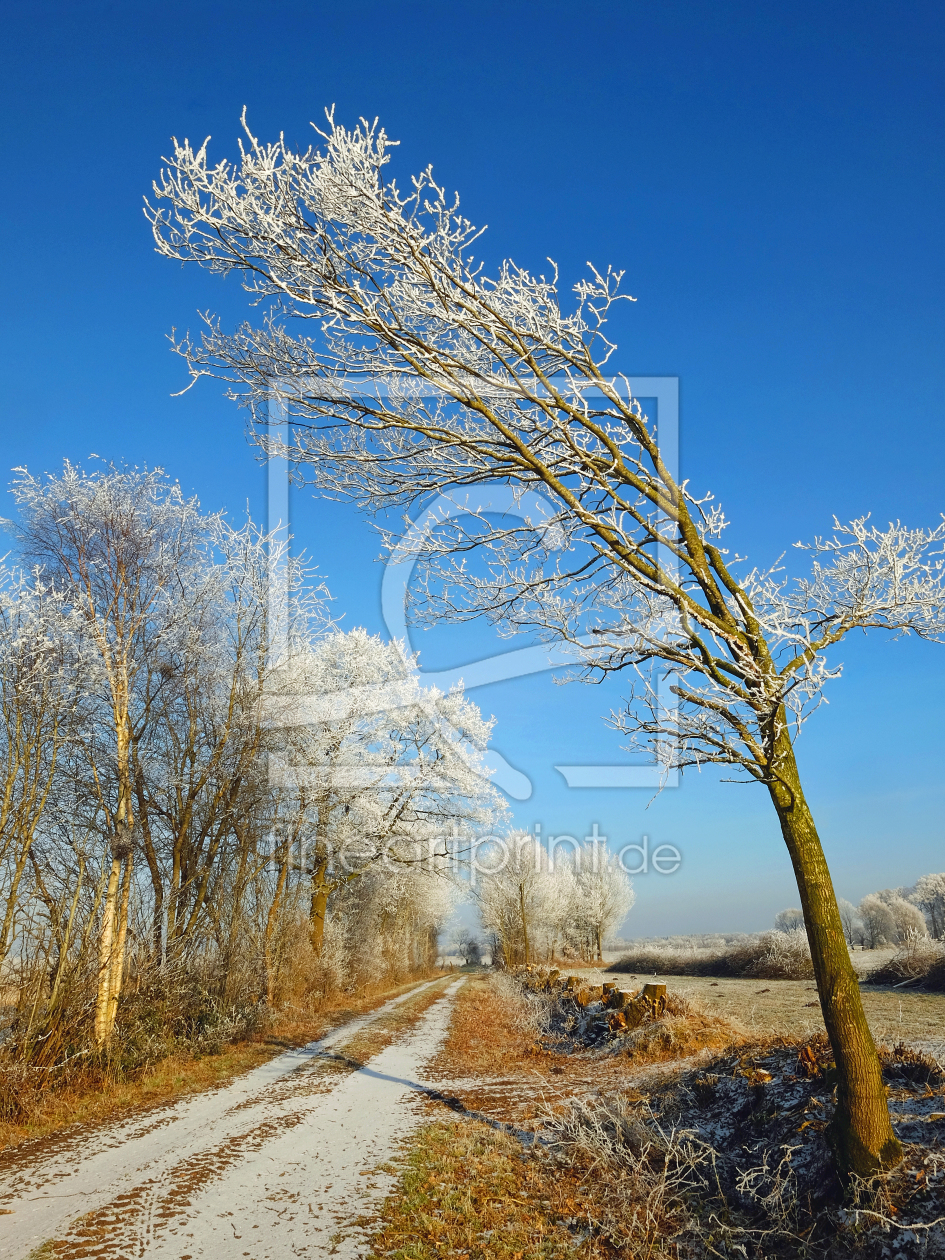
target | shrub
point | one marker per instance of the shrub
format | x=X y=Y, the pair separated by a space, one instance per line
x=919 y=959
x=770 y=956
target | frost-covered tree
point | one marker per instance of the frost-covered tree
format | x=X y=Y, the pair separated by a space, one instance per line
x=909 y=919
x=168 y=606
x=384 y=772
x=120 y=547
x=879 y=926
x=41 y=669
x=416 y=372
x=515 y=894
x=604 y=893
x=850 y=918
x=262 y=781
x=929 y=896
x=564 y=929
x=789 y=920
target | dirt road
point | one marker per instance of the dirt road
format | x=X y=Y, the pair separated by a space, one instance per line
x=282 y=1162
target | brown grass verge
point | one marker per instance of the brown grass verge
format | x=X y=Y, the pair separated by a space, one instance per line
x=623 y=1174
x=466 y=1190
x=486 y=1035
x=496 y=1063
x=178 y=1076
x=489 y=1035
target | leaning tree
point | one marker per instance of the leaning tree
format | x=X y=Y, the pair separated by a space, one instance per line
x=420 y=373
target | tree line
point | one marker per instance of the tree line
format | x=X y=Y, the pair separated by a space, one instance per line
x=199 y=821
x=536 y=906
x=892 y=916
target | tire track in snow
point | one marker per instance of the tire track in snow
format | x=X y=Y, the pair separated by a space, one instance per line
x=136 y=1181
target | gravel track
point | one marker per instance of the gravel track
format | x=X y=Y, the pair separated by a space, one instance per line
x=279 y=1163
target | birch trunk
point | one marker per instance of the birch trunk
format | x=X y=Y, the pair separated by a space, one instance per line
x=105 y=951
x=118 y=953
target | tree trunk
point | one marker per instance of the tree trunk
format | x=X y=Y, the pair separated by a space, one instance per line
x=121 y=937
x=271 y=920
x=521 y=906
x=318 y=907
x=157 y=883
x=66 y=940
x=106 y=944
x=862 y=1133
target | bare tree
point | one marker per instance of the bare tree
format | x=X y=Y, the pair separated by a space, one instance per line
x=929 y=896
x=422 y=374
x=849 y=917
x=789 y=920
x=118 y=547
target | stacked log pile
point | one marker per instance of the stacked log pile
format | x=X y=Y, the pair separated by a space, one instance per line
x=599 y=1012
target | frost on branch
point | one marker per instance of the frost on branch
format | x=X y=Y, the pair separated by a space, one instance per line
x=418 y=374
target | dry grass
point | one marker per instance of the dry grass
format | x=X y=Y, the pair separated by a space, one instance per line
x=176 y=1077
x=492 y=1062
x=466 y=1190
x=647 y=1167
x=498 y=1062
x=487 y=1036
x=688 y=1027
x=919 y=961
x=495 y=1031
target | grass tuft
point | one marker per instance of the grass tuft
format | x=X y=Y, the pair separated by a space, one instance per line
x=467 y=1190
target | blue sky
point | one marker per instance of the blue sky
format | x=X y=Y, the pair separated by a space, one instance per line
x=771 y=179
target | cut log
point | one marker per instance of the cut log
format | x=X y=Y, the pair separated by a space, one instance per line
x=654 y=995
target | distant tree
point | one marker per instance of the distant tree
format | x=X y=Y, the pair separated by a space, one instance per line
x=513 y=898
x=850 y=918
x=910 y=921
x=469 y=947
x=789 y=920
x=879 y=926
x=564 y=928
x=908 y=918
x=929 y=896
x=604 y=893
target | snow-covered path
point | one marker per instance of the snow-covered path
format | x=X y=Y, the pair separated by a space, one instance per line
x=280 y=1163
